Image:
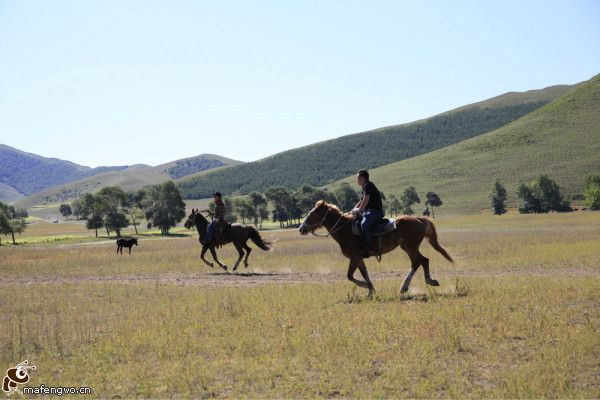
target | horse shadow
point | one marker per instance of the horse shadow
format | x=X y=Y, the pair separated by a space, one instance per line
x=245 y=274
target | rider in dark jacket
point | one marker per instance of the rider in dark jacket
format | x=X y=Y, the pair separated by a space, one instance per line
x=218 y=217
x=371 y=207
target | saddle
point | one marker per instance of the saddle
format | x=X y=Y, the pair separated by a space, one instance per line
x=220 y=230
x=378 y=229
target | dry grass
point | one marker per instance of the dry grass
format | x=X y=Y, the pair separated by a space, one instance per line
x=516 y=317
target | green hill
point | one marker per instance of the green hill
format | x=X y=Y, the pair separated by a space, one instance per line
x=131 y=178
x=561 y=139
x=327 y=161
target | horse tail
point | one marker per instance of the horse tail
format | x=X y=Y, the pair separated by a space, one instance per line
x=255 y=236
x=431 y=234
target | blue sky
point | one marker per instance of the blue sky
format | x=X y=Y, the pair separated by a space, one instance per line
x=123 y=82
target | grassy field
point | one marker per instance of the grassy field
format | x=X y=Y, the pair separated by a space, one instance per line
x=516 y=316
x=559 y=139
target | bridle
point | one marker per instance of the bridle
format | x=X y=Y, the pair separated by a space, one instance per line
x=320 y=223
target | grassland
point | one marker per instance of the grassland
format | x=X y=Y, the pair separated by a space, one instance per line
x=517 y=316
x=559 y=139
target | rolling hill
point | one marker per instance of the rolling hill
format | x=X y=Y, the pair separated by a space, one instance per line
x=9 y=193
x=327 y=161
x=561 y=139
x=29 y=173
x=129 y=178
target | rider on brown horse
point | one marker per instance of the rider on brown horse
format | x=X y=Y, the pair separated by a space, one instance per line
x=371 y=208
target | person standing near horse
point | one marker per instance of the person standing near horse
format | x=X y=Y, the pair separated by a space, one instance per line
x=218 y=218
x=371 y=208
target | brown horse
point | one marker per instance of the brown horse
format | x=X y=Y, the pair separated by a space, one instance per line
x=236 y=234
x=409 y=234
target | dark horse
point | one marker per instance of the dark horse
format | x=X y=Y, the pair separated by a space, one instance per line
x=125 y=242
x=409 y=234
x=236 y=234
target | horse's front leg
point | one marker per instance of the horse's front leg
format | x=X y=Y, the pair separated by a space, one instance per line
x=354 y=263
x=363 y=271
x=214 y=256
x=204 y=249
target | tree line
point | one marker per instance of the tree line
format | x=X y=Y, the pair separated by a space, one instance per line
x=409 y=197
x=288 y=207
x=114 y=209
x=543 y=195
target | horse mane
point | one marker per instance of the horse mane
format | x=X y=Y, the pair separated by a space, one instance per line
x=335 y=209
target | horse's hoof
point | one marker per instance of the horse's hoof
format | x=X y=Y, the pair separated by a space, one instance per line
x=403 y=290
x=433 y=282
x=234 y=268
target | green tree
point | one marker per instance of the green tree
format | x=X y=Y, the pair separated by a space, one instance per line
x=346 y=196
x=258 y=202
x=77 y=208
x=135 y=206
x=528 y=200
x=280 y=215
x=263 y=214
x=592 y=180
x=114 y=201
x=433 y=200
x=541 y=196
x=281 y=199
x=408 y=198
x=498 y=198
x=164 y=207
x=305 y=199
x=395 y=205
x=12 y=221
x=552 y=199
x=243 y=207
x=591 y=197
x=65 y=210
x=94 y=221
x=93 y=210
x=591 y=194
x=4 y=223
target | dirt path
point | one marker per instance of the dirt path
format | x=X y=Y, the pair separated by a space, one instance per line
x=221 y=278
x=200 y=279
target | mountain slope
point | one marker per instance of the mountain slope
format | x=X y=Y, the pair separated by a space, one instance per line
x=29 y=173
x=9 y=193
x=561 y=139
x=130 y=178
x=327 y=161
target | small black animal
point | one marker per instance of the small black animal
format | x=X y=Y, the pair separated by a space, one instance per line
x=125 y=242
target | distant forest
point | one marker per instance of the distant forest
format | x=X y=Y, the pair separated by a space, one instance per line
x=324 y=162
x=192 y=165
